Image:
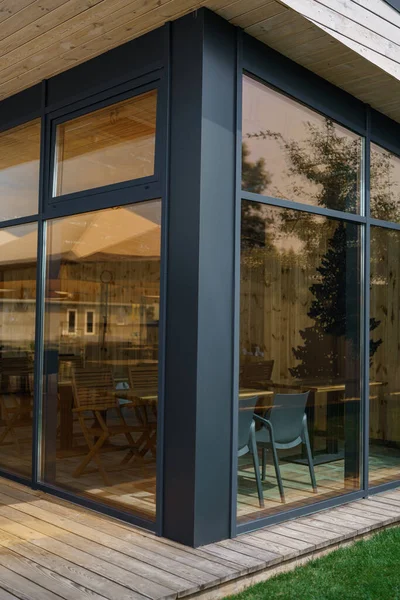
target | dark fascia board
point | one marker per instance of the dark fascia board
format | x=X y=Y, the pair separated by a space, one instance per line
x=303 y=85
x=394 y=4
x=385 y=132
x=129 y=61
x=21 y=107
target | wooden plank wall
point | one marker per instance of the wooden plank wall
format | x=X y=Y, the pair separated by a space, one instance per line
x=275 y=300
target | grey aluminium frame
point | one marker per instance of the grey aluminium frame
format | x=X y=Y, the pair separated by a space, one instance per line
x=120 y=73
x=303 y=86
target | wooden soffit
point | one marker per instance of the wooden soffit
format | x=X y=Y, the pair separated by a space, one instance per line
x=355 y=44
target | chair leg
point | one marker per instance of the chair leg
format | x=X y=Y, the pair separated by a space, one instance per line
x=92 y=455
x=254 y=452
x=277 y=471
x=264 y=463
x=309 y=457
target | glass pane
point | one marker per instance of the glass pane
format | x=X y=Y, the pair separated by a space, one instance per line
x=299 y=358
x=384 y=184
x=294 y=153
x=384 y=452
x=19 y=171
x=103 y=279
x=107 y=146
x=18 y=249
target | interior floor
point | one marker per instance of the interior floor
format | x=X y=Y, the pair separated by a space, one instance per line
x=133 y=485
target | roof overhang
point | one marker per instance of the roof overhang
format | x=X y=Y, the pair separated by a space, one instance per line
x=351 y=44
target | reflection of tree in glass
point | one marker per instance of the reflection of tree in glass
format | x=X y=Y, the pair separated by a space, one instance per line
x=335 y=311
x=332 y=163
x=255 y=178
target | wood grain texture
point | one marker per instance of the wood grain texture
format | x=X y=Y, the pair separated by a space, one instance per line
x=51 y=549
x=352 y=43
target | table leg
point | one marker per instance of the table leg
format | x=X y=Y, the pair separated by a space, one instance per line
x=66 y=417
x=310 y=412
x=332 y=422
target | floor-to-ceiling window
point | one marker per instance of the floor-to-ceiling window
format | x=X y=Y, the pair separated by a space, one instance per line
x=300 y=306
x=102 y=313
x=384 y=413
x=19 y=191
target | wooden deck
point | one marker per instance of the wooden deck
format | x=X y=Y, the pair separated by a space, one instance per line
x=51 y=549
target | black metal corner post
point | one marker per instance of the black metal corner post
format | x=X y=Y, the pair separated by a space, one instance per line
x=366 y=304
x=40 y=266
x=165 y=110
x=200 y=279
x=236 y=287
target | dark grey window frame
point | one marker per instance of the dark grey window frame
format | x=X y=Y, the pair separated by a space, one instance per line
x=296 y=82
x=394 y=4
x=196 y=63
x=119 y=74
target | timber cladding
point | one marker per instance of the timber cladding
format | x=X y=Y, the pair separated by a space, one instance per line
x=351 y=45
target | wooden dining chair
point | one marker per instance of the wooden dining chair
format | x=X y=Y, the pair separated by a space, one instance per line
x=94 y=393
x=16 y=396
x=143 y=381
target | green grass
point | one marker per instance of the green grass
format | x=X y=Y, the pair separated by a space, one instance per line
x=368 y=570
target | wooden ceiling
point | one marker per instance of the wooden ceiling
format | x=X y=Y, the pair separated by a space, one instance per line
x=40 y=38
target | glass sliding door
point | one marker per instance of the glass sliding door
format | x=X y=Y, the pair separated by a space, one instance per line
x=299 y=405
x=18 y=251
x=102 y=307
x=384 y=416
x=299 y=358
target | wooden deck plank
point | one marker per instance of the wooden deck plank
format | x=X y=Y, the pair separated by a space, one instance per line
x=84 y=580
x=341 y=530
x=379 y=508
x=362 y=517
x=244 y=562
x=268 y=535
x=318 y=533
x=4 y=595
x=159 y=567
x=104 y=547
x=344 y=524
x=268 y=556
x=385 y=503
x=315 y=541
x=52 y=550
x=110 y=583
x=285 y=552
x=20 y=587
x=186 y=561
x=44 y=577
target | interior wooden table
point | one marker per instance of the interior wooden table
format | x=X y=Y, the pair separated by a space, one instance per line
x=352 y=402
x=135 y=398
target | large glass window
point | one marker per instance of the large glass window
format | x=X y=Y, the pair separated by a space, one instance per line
x=110 y=145
x=19 y=171
x=101 y=355
x=294 y=153
x=385 y=184
x=299 y=387
x=384 y=451
x=18 y=250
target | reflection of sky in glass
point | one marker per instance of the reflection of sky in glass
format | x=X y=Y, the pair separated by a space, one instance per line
x=265 y=110
x=19 y=170
x=385 y=184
